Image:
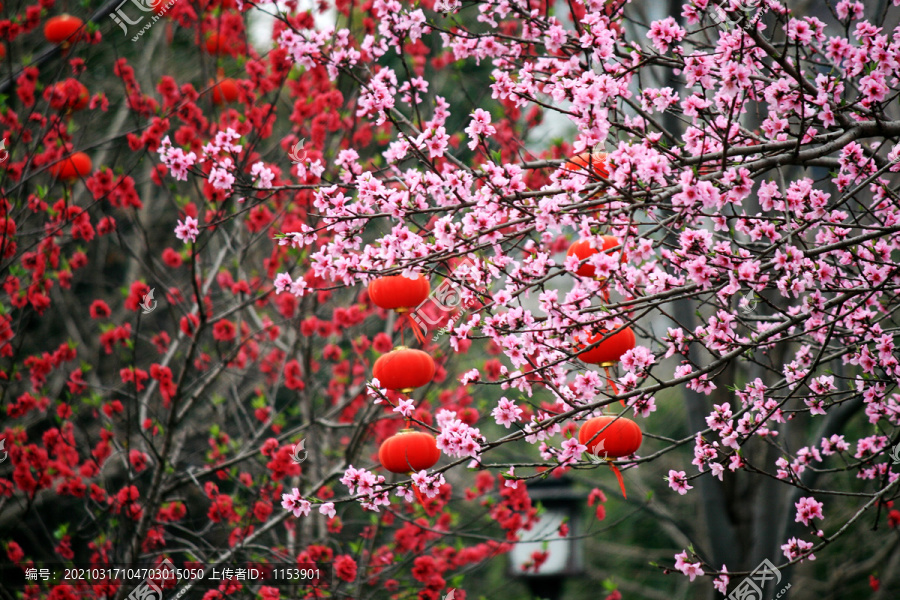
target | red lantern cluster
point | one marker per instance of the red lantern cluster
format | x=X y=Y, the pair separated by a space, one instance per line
x=404 y=369
x=409 y=451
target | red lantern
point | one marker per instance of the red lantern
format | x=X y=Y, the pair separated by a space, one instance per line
x=215 y=44
x=61 y=28
x=615 y=436
x=404 y=369
x=72 y=167
x=225 y=91
x=408 y=451
x=609 y=351
x=583 y=250
x=592 y=162
x=399 y=293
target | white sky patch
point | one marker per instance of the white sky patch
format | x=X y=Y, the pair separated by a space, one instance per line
x=259 y=31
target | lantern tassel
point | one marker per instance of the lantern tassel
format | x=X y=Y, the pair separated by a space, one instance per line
x=612 y=384
x=419 y=497
x=618 y=473
x=415 y=328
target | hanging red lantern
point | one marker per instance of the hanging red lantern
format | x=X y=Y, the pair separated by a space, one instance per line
x=62 y=28
x=404 y=369
x=615 y=436
x=612 y=437
x=224 y=91
x=396 y=292
x=595 y=163
x=608 y=352
x=409 y=451
x=72 y=167
x=583 y=250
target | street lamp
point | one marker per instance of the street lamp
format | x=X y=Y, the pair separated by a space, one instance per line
x=561 y=504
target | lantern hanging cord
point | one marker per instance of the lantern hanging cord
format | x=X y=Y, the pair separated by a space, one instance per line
x=612 y=383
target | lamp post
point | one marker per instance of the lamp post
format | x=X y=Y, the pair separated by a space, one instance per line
x=561 y=504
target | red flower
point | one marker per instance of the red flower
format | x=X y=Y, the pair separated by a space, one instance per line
x=293 y=376
x=189 y=324
x=894 y=518
x=596 y=494
x=98 y=494
x=64 y=548
x=138 y=460
x=76 y=382
x=14 y=552
x=331 y=352
x=171 y=258
x=222 y=509
x=139 y=289
x=106 y=225
x=78 y=260
x=269 y=593
x=161 y=341
x=136 y=376
x=224 y=331
x=262 y=510
x=424 y=568
x=127 y=494
x=269 y=447
x=382 y=343
x=345 y=568
x=114 y=407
